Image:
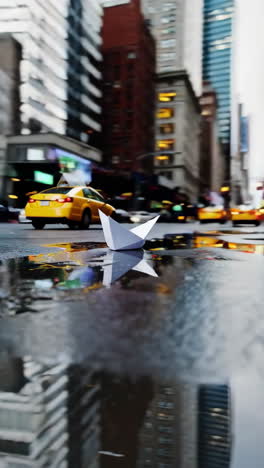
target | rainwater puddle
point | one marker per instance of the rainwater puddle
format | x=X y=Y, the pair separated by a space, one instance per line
x=133 y=359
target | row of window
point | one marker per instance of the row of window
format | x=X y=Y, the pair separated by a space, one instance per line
x=169 y=30
x=166 y=57
x=166 y=144
x=166 y=43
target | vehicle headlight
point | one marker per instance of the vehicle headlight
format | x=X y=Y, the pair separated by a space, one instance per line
x=135 y=219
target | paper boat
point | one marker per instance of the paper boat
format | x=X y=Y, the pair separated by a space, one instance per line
x=118 y=237
x=122 y=262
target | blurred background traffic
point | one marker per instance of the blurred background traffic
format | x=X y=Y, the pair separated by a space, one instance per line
x=154 y=103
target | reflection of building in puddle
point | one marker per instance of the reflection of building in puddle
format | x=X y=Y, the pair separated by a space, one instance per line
x=214 y=427
x=169 y=434
x=33 y=420
x=84 y=418
x=124 y=404
x=48 y=416
x=187 y=426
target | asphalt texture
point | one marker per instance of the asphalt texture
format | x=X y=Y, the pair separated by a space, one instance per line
x=154 y=330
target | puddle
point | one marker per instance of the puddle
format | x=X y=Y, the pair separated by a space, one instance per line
x=133 y=359
x=29 y=283
x=201 y=241
x=61 y=415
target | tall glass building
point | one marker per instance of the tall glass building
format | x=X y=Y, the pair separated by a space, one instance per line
x=217 y=50
x=214 y=426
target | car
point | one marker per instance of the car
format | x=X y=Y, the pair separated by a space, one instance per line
x=141 y=216
x=74 y=206
x=4 y=213
x=212 y=213
x=245 y=214
x=22 y=217
x=122 y=216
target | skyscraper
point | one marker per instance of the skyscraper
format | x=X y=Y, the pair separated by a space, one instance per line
x=10 y=57
x=83 y=69
x=59 y=70
x=177 y=28
x=217 y=51
x=214 y=427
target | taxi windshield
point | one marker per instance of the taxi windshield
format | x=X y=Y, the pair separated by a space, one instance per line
x=63 y=190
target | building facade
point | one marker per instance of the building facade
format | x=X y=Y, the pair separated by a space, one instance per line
x=10 y=58
x=168 y=437
x=177 y=132
x=33 y=416
x=177 y=28
x=128 y=85
x=212 y=157
x=217 y=56
x=60 y=66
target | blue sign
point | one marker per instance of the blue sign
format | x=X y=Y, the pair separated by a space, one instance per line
x=244 y=135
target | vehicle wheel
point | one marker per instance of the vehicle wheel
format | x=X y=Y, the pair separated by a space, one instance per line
x=223 y=221
x=202 y=221
x=257 y=223
x=38 y=224
x=86 y=220
x=116 y=217
x=72 y=225
x=234 y=223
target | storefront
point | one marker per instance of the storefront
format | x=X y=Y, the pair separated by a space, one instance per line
x=36 y=162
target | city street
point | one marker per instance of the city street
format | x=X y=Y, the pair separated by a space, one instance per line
x=186 y=325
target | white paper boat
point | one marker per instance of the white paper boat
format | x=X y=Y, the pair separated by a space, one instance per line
x=122 y=262
x=118 y=237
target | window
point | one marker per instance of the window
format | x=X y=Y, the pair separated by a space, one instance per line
x=168 y=19
x=167 y=43
x=166 y=57
x=88 y=193
x=171 y=30
x=131 y=55
x=165 y=429
x=166 y=404
x=165 y=113
x=167 y=97
x=116 y=72
x=164 y=159
x=166 y=128
x=164 y=416
x=62 y=190
x=165 y=144
x=166 y=440
x=115 y=159
x=169 y=6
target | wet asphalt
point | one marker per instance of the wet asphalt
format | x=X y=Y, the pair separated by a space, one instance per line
x=169 y=340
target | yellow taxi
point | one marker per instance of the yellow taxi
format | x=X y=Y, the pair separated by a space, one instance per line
x=245 y=214
x=74 y=206
x=212 y=213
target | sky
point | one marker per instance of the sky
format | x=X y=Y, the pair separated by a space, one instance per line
x=248 y=76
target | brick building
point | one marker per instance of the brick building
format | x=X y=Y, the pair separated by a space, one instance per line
x=128 y=85
x=212 y=158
